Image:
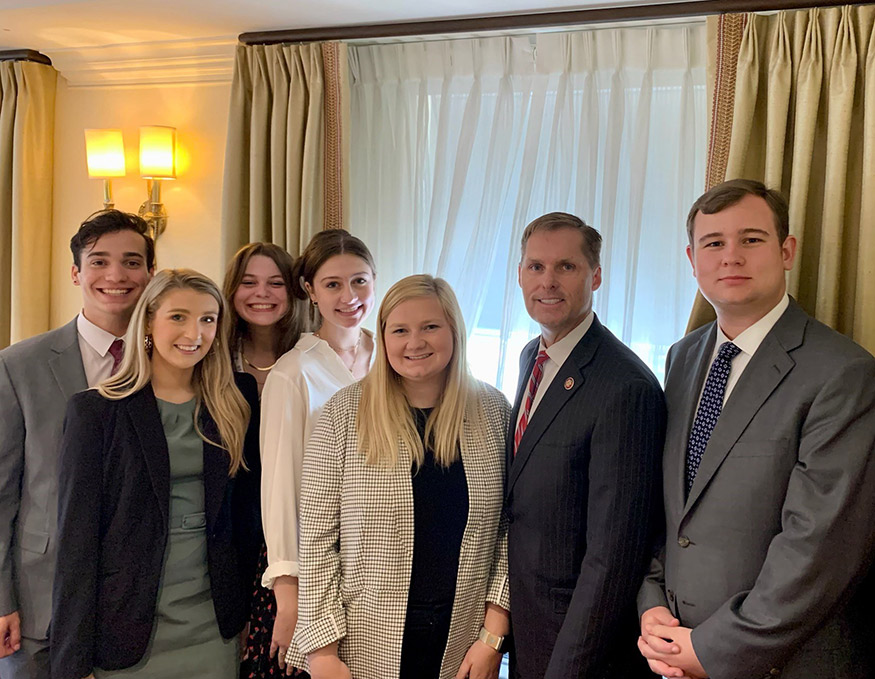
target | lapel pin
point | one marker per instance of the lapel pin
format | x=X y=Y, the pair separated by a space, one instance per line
x=569 y=383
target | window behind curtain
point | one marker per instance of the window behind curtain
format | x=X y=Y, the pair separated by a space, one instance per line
x=457 y=144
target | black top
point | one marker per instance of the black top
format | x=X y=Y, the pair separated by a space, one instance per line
x=440 y=513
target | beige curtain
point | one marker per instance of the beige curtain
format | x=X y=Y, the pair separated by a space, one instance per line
x=27 y=120
x=288 y=147
x=803 y=121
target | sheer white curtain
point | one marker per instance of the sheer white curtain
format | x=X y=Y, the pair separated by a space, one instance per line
x=457 y=144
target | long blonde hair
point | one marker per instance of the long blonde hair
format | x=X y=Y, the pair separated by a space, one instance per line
x=212 y=379
x=384 y=414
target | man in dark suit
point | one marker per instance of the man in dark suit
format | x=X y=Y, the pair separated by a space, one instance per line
x=583 y=470
x=113 y=259
x=769 y=469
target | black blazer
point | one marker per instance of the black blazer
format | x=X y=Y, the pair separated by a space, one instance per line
x=583 y=502
x=114 y=498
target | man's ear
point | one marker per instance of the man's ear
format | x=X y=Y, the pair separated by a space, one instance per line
x=74 y=274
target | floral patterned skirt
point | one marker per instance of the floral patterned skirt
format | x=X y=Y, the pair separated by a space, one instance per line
x=257 y=662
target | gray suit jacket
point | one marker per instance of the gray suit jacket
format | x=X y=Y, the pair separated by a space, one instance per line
x=37 y=376
x=765 y=558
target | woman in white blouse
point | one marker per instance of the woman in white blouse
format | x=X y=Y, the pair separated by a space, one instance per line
x=336 y=273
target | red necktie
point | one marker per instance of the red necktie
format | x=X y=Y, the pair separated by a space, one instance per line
x=534 y=381
x=117 y=349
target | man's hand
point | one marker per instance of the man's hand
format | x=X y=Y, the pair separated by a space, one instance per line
x=481 y=662
x=655 y=648
x=285 y=588
x=324 y=664
x=682 y=656
x=10 y=634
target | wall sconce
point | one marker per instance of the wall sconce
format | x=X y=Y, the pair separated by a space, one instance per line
x=105 y=154
x=157 y=162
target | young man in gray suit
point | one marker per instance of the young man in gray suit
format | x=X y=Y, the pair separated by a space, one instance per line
x=769 y=469
x=113 y=260
x=583 y=470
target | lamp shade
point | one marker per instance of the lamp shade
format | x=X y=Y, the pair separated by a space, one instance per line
x=105 y=153
x=158 y=152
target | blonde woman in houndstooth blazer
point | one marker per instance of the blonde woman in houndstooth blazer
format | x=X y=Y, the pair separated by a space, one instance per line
x=403 y=571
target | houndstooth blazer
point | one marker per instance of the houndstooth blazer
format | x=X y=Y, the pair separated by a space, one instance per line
x=357 y=542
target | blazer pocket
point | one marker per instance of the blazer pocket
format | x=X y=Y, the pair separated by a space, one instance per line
x=34 y=542
x=744 y=448
x=561 y=599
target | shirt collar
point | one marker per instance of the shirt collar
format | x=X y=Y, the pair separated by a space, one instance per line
x=561 y=350
x=97 y=338
x=750 y=339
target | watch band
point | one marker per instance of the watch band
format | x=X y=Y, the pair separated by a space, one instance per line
x=492 y=640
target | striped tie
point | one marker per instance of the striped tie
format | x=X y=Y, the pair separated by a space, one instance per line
x=534 y=381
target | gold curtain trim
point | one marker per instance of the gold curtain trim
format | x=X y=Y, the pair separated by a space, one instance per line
x=729 y=34
x=333 y=194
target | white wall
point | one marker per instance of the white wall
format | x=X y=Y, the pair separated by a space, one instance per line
x=199 y=112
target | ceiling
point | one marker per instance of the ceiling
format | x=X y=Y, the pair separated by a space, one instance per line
x=115 y=42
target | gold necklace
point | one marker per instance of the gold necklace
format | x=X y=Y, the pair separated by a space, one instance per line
x=255 y=367
x=355 y=348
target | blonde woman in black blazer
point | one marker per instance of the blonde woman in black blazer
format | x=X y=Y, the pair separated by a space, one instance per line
x=116 y=511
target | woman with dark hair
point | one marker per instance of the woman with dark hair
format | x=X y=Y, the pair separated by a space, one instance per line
x=336 y=274
x=266 y=320
x=158 y=521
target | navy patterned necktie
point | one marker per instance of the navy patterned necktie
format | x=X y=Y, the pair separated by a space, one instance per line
x=709 y=408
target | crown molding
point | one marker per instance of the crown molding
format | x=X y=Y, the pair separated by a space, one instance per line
x=201 y=60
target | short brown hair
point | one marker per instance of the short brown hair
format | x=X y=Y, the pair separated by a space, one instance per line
x=103 y=222
x=553 y=221
x=727 y=194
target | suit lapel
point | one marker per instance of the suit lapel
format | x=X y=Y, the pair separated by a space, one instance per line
x=697 y=362
x=555 y=398
x=765 y=371
x=217 y=465
x=146 y=422
x=66 y=361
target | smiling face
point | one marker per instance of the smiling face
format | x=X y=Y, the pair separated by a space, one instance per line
x=112 y=276
x=557 y=281
x=261 y=298
x=183 y=329
x=343 y=289
x=737 y=259
x=419 y=340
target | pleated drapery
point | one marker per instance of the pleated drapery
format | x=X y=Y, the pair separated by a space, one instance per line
x=27 y=122
x=804 y=122
x=287 y=148
x=458 y=144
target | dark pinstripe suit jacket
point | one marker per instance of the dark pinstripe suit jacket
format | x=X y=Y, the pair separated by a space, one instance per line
x=582 y=502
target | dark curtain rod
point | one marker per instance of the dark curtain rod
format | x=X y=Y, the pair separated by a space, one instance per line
x=25 y=55
x=530 y=21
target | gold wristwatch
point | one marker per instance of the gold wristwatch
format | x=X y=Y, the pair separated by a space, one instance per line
x=492 y=640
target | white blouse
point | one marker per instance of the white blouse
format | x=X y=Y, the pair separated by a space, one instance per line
x=294 y=395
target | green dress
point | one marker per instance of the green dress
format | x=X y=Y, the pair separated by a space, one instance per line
x=185 y=642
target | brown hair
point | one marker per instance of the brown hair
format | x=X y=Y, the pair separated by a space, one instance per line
x=553 y=221
x=727 y=194
x=288 y=329
x=322 y=247
x=103 y=222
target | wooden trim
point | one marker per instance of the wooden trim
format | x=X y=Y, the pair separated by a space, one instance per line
x=530 y=21
x=25 y=55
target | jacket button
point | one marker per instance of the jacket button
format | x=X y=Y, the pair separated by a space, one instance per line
x=671 y=596
x=684 y=541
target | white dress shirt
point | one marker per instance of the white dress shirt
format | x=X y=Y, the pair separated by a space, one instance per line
x=294 y=395
x=557 y=354
x=748 y=341
x=94 y=344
